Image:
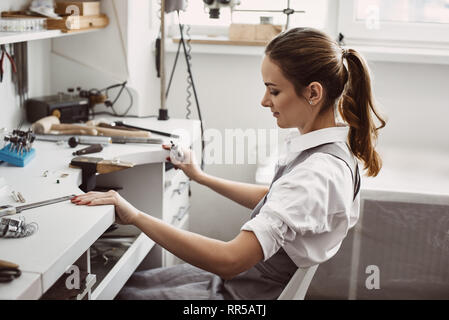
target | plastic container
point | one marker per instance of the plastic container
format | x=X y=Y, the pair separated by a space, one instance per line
x=23 y=24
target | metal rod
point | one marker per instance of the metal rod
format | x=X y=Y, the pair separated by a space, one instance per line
x=280 y=11
x=166 y=134
x=162 y=57
x=43 y=203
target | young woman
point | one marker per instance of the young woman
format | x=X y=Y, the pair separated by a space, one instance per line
x=313 y=200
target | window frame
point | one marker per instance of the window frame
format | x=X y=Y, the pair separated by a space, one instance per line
x=397 y=34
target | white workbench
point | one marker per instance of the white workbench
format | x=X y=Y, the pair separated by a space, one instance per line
x=66 y=231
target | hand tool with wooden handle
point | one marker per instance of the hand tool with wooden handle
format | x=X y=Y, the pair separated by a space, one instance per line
x=8 y=271
x=103 y=131
x=90 y=149
x=86 y=131
x=7 y=264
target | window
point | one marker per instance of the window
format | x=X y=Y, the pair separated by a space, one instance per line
x=315 y=15
x=421 y=11
x=420 y=22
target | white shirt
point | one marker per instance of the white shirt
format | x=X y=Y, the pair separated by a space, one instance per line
x=310 y=209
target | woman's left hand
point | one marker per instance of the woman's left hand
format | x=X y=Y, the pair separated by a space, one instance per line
x=125 y=212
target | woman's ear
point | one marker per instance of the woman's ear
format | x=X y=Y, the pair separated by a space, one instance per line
x=315 y=93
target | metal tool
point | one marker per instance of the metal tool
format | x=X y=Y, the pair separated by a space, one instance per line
x=19 y=151
x=79 y=139
x=16 y=227
x=20 y=78
x=83 y=139
x=124 y=140
x=21 y=141
x=18 y=197
x=176 y=153
x=2 y=59
x=121 y=124
x=9 y=210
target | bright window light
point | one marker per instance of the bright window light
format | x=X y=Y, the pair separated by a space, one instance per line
x=414 y=11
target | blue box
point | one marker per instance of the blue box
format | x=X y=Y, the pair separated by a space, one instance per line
x=16 y=159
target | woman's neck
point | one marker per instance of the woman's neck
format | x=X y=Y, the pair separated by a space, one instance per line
x=325 y=120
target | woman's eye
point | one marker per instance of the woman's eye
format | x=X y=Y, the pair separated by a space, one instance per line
x=274 y=93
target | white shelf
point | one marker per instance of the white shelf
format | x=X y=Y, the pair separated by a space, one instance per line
x=403 y=54
x=14 y=37
x=209 y=48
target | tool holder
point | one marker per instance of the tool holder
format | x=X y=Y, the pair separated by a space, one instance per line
x=15 y=158
x=18 y=151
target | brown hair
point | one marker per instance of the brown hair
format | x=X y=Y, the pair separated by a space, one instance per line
x=306 y=55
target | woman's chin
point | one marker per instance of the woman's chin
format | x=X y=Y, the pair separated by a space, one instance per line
x=280 y=124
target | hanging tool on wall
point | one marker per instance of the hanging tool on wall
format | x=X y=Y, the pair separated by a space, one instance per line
x=20 y=78
x=4 y=54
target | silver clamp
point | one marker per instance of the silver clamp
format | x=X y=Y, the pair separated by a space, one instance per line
x=16 y=228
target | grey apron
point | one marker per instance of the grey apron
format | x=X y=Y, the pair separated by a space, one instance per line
x=265 y=281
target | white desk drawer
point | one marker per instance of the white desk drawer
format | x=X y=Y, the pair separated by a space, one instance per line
x=116 y=278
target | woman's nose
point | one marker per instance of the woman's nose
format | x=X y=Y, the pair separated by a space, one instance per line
x=265 y=102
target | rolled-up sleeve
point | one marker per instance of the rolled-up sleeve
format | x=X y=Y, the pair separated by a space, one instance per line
x=298 y=203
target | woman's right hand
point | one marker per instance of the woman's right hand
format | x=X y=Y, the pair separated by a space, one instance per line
x=189 y=165
x=125 y=212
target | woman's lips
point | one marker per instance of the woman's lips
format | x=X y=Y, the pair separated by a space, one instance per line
x=276 y=114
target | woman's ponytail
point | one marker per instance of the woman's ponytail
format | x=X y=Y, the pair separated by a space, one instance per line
x=356 y=107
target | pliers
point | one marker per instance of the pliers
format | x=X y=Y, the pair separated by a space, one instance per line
x=11 y=60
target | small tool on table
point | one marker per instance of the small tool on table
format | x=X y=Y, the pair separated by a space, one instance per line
x=9 y=210
x=90 y=149
x=8 y=271
x=11 y=60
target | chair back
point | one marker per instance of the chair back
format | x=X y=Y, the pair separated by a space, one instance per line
x=298 y=285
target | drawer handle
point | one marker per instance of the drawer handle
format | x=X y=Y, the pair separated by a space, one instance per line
x=181 y=213
x=167 y=184
x=182 y=185
x=91 y=279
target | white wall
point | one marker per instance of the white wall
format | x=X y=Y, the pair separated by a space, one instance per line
x=416 y=102
x=123 y=51
x=39 y=75
x=95 y=60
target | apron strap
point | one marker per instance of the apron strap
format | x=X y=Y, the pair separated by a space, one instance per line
x=328 y=148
